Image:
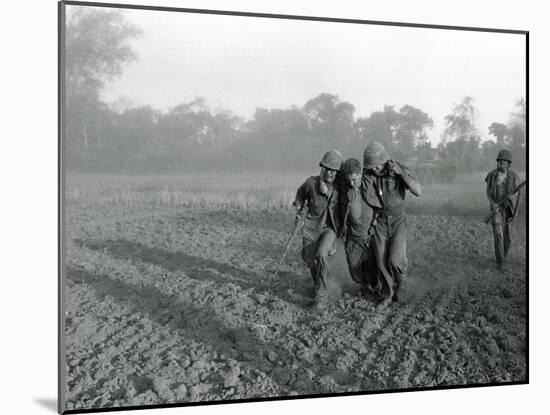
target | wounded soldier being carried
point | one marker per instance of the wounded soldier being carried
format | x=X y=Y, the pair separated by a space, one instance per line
x=377 y=223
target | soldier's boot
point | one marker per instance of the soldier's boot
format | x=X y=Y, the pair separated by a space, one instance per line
x=386 y=297
x=320 y=300
x=384 y=303
x=371 y=290
x=399 y=289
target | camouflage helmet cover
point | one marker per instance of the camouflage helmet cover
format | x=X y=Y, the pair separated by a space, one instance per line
x=374 y=155
x=331 y=160
x=504 y=155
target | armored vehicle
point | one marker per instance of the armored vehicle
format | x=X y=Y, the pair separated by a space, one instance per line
x=429 y=167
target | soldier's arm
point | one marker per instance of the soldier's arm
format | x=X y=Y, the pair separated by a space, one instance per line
x=301 y=196
x=493 y=203
x=515 y=181
x=301 y=199
x=410 y=182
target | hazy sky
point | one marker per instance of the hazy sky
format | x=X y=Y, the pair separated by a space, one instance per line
x=240 y=63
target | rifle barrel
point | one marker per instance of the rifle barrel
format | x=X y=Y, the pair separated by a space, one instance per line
x=297 y=226
x=492 y=213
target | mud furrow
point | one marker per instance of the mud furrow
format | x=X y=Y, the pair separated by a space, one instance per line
x=178 y=306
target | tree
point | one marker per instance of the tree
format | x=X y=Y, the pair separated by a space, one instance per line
x=190 y=130
x=97 y=48
x=511 y=136
x=330 y=118
x=400 y=132
x=276 y=123
x=379 y=126
x=461 y=123
x=500 y=131
x=461 y=137
x=185 y=126
x=226 y=128
x=517 y=124
x=134 y=129
x=410 y=131
x=489 y=149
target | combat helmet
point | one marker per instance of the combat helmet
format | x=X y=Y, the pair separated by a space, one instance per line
x=331 y=160
x=504 y=155
x=374 y=155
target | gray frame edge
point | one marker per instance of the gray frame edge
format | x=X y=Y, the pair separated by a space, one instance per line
x=61 y=358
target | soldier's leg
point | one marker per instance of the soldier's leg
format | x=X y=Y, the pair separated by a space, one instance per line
x=380 y=244
x=309 y=247
x=370 y=268
x=326 y=242
x=499 y=242
x=506 y=238
x=354 y=254
x=397 y=257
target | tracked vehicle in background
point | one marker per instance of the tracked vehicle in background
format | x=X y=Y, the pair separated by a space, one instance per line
x=428 y=166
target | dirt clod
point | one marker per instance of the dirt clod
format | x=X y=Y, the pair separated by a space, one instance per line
x=154 y=318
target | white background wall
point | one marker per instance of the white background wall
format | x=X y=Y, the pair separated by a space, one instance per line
x=28 y=368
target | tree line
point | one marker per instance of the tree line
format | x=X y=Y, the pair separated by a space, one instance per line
x=191 y=136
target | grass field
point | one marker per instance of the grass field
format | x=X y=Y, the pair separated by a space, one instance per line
x=252 y=191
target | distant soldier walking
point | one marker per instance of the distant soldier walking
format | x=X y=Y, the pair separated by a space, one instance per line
x=322 y=223
x=384 y=185
x=501 y=184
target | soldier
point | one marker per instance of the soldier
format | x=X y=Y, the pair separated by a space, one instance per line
x=358 y=228
x=384 y=186
x=322 y=223
x=500 y=184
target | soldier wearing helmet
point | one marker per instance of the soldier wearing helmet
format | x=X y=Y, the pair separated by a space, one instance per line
x=322 y=223
x=500 y=183
x=383 y=187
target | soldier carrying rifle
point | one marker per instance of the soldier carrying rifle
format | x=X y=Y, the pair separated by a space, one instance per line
x=322 y=222
x=502 y=186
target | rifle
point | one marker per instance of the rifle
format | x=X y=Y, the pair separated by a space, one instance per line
x=492 y=213
x=297 y=227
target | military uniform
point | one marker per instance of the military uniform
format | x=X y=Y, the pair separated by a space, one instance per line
x=499 y=186
x=321 y=226
x=386 y=195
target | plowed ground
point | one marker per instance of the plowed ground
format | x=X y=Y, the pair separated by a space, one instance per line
x=179 y=305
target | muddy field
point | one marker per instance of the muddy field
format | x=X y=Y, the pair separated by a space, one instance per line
x=178 y=304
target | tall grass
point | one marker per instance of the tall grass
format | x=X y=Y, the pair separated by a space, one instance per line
x=248 y=191
x=252 y=191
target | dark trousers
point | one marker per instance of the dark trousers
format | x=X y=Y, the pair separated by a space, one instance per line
x=390 y=249
x=502 y=235
x=361 y=262
x=315 y=255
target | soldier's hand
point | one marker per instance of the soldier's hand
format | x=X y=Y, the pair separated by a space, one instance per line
x=394 y=167
x=494 y=206
x=297 y=216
